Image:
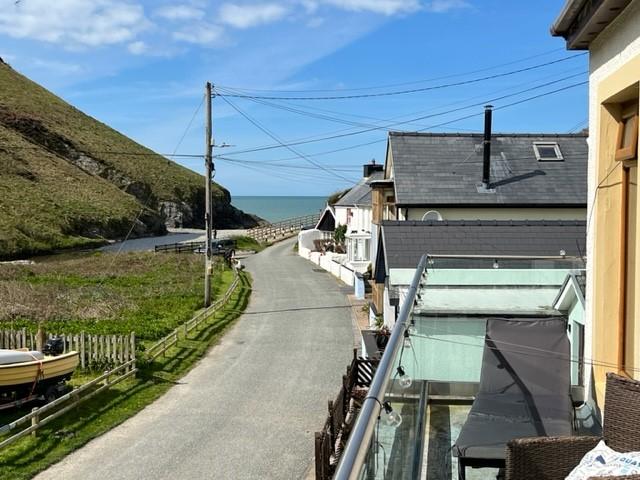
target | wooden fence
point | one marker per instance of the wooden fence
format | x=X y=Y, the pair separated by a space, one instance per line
x=284 y=228
x=39 y=417
x=183 y=331
x=342 y=413
x=94 y=350
x=185 y=247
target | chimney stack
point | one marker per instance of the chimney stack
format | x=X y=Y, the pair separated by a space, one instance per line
x=486 y=164
x=369 y=168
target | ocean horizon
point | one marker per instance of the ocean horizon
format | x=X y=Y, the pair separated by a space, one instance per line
x=275 y=208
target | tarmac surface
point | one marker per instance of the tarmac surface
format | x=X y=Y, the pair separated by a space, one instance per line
x=250 y=408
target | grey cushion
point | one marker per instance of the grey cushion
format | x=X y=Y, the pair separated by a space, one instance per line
x=524 y=387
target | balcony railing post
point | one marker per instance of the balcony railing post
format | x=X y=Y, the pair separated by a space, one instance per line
x=355 y=453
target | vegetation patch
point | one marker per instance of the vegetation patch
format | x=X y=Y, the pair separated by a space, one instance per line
x=149 y=294
x=248 y=243
x=68 y=180
x=104 y=293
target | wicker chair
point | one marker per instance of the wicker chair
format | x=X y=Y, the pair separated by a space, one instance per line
x=553 y=458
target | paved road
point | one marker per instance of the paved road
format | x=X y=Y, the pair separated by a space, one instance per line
x=250 y=407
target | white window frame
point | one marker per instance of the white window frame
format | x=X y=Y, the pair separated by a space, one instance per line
x=555 y=146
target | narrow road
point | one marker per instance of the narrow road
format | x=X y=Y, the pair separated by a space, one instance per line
x=248 y=410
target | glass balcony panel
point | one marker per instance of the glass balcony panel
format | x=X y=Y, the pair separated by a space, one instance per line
x=443 y=356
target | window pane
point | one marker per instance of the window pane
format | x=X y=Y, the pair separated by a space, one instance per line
x=547 y=152
x=627 y=133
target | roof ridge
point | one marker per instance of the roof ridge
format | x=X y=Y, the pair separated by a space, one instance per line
x=484 y=223
x=493 y=134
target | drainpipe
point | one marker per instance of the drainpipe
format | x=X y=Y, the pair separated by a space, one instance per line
x=486 y=163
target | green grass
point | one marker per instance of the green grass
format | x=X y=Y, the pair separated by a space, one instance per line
x=49 y=203
x=29 y=456
x=249 y=243
x=99 y=293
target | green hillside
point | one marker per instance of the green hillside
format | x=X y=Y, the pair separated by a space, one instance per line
x=69 y=180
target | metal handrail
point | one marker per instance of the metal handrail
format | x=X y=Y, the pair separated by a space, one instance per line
x=355 y=452
x=511 y=257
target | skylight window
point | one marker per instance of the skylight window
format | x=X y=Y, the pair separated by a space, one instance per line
x=547 y=152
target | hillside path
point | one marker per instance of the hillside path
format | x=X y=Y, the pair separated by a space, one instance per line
x=249 y=409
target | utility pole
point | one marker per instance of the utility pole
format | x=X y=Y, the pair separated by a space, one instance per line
x=208 y=216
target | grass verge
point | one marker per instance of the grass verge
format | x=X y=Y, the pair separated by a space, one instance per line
x=25 y=458
x=249 y=243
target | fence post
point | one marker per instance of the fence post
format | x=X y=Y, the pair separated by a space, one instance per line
x=132 y=350
x=34 y=421
x=106 y=379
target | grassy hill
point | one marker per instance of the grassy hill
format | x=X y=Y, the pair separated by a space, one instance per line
x=68 y=180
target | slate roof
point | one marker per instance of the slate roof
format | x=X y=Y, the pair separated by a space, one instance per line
x=360 y=194
x=438 y=169
x=404 y=242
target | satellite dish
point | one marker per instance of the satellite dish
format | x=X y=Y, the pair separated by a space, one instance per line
x=432 y=215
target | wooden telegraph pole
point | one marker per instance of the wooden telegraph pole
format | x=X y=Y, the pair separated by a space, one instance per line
x=208 y=218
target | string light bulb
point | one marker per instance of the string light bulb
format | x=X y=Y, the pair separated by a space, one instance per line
x=391 y=417
x=405 y=380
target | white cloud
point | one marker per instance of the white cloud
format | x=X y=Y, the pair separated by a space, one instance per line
x=250 y=15
x=74 y=23
x=385 y=7
x=310 y=5
x=441 y=6
x=137 y=48
x=60 y=68
x=202 y=34
x=180 y=12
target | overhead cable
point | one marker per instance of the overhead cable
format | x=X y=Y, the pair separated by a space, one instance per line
x=414 y=82
x=408 y=91
x=343 y=135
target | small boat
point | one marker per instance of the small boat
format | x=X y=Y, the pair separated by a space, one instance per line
x=29 y=375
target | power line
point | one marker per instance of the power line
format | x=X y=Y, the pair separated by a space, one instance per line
x=150 y=194
x=578 y=125
x=289 y=176
x=332 y=137
x=555 y=50
x=404 y=92
x=534 y=351
x=277 y=139
x=421 y=112
x=394 y=124
x=341 y=168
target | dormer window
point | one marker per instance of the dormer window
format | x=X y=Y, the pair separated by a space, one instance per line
x=547 y=152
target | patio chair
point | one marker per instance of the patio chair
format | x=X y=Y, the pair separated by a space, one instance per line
x=524 y=390
x=554 y=458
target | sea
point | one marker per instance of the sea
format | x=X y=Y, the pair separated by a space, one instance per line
x=274 y=209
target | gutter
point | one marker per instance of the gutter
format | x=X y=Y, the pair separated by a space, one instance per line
x=566 y=17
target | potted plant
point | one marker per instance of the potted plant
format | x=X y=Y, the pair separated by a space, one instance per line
x=382 y=337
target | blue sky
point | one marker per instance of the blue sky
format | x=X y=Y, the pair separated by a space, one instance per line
x=140 y=66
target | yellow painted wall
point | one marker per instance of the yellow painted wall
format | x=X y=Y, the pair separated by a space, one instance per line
x=607 y=258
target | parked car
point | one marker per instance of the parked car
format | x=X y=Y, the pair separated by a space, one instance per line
x=220 y=246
